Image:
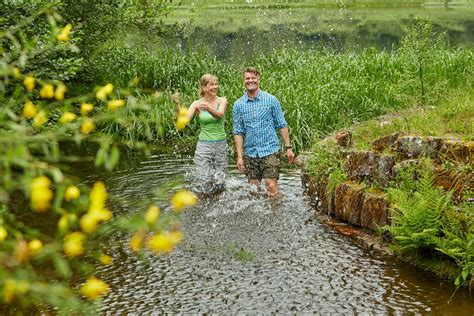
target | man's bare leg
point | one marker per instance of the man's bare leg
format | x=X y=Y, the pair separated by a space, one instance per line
x=272 y=187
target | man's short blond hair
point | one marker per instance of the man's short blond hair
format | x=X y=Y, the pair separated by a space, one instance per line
x=252 y=70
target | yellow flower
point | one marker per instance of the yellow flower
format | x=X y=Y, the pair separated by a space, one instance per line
x=60 y=91
x=104 y=91
x=175 y=236
x=16 y=72
x=86 y=108
x=29 y=83
x=182 y=111
x=9 y=288
x=63 y=223
x=94 y=288
x=183 y=199
x=72 y=193
x=152 y=214
x=63 y=35
x=112 y=105
x=136 y=242
x=102 y=214
x=87 y=126
x=65 y=220
x=74 y=244
x=3 y=233
x=29 y=110
x=35 y=246
x=181 y=122
x=97 y=196
x=89 y=222
x=47 y=91
x=40 y=119
x=105 y=260
x=108 y=88
x=67 y=117
x=13 y=288
x=160 y=243
x=40 y=193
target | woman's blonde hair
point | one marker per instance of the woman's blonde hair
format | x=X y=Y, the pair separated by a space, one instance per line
x=205 y=80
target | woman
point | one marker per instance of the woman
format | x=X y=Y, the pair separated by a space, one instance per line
x=211 y=150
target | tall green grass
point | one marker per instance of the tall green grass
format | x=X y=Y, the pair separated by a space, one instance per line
x=320 y=91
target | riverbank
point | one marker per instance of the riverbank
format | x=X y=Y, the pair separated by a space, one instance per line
x=406 y=179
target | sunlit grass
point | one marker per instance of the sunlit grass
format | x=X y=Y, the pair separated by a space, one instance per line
x=453 y=117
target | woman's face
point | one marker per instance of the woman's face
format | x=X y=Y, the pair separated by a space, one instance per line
x=211 y=88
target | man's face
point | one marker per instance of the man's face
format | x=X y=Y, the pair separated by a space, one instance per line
x=251 y=81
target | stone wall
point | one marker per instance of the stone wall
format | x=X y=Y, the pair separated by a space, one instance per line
x=353 y=203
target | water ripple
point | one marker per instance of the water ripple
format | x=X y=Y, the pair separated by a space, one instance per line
x=244 y=254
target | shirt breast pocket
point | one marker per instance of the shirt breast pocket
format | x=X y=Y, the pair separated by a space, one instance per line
x=248 y=118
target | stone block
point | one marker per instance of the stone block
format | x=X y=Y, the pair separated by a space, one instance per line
x=359 y=165
x=344 y=138
x=412 y=147
x=385 y=142
x=348 y=198
x=375 y=211
x=369 y=166
x=339 y=199
x=327 y=199
x=383 y=171
x=457 y=151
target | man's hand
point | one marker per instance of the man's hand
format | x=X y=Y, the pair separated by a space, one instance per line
x=240 y=164
x=291 y=155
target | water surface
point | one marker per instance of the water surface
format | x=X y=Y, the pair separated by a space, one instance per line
x=243 y=254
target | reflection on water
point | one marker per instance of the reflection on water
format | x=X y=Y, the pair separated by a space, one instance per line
x=241 y=33
x=242 y=254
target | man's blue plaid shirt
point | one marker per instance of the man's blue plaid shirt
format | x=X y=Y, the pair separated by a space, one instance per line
x=257 y=120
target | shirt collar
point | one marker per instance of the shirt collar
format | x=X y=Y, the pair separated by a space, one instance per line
x=257 y=97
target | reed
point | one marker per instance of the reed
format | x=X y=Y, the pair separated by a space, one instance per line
x=320 y=90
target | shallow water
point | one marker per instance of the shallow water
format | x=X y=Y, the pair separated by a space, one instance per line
x=243 y=254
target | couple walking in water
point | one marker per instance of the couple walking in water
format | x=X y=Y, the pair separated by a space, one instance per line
x=256 y=117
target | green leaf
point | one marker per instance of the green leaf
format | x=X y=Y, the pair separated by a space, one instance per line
x=113 y=158
x=100 y=156
x=62 y=266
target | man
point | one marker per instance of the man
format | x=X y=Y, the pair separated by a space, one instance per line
x=257 y=115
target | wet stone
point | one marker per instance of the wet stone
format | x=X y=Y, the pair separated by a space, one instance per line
x=375 y=211
x=348 y=202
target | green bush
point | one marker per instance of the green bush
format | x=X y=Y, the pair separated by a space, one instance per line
x=51 y=228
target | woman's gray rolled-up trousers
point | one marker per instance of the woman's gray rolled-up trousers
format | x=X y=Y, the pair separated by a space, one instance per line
x=211 y=166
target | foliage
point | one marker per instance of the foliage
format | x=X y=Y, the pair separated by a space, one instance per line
x=418 y=48
x=458 y=241
x=424 y=217
x=320 y=90
x=101 y=21
x=31 y=41
x=95 y=23
x=51 y=228
x=417 y=210
x=325 y=162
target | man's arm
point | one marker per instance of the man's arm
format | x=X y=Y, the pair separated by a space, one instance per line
x=285 y=134
x=239 y=148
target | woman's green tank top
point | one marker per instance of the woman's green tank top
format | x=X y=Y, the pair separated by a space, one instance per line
x=212 y=129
